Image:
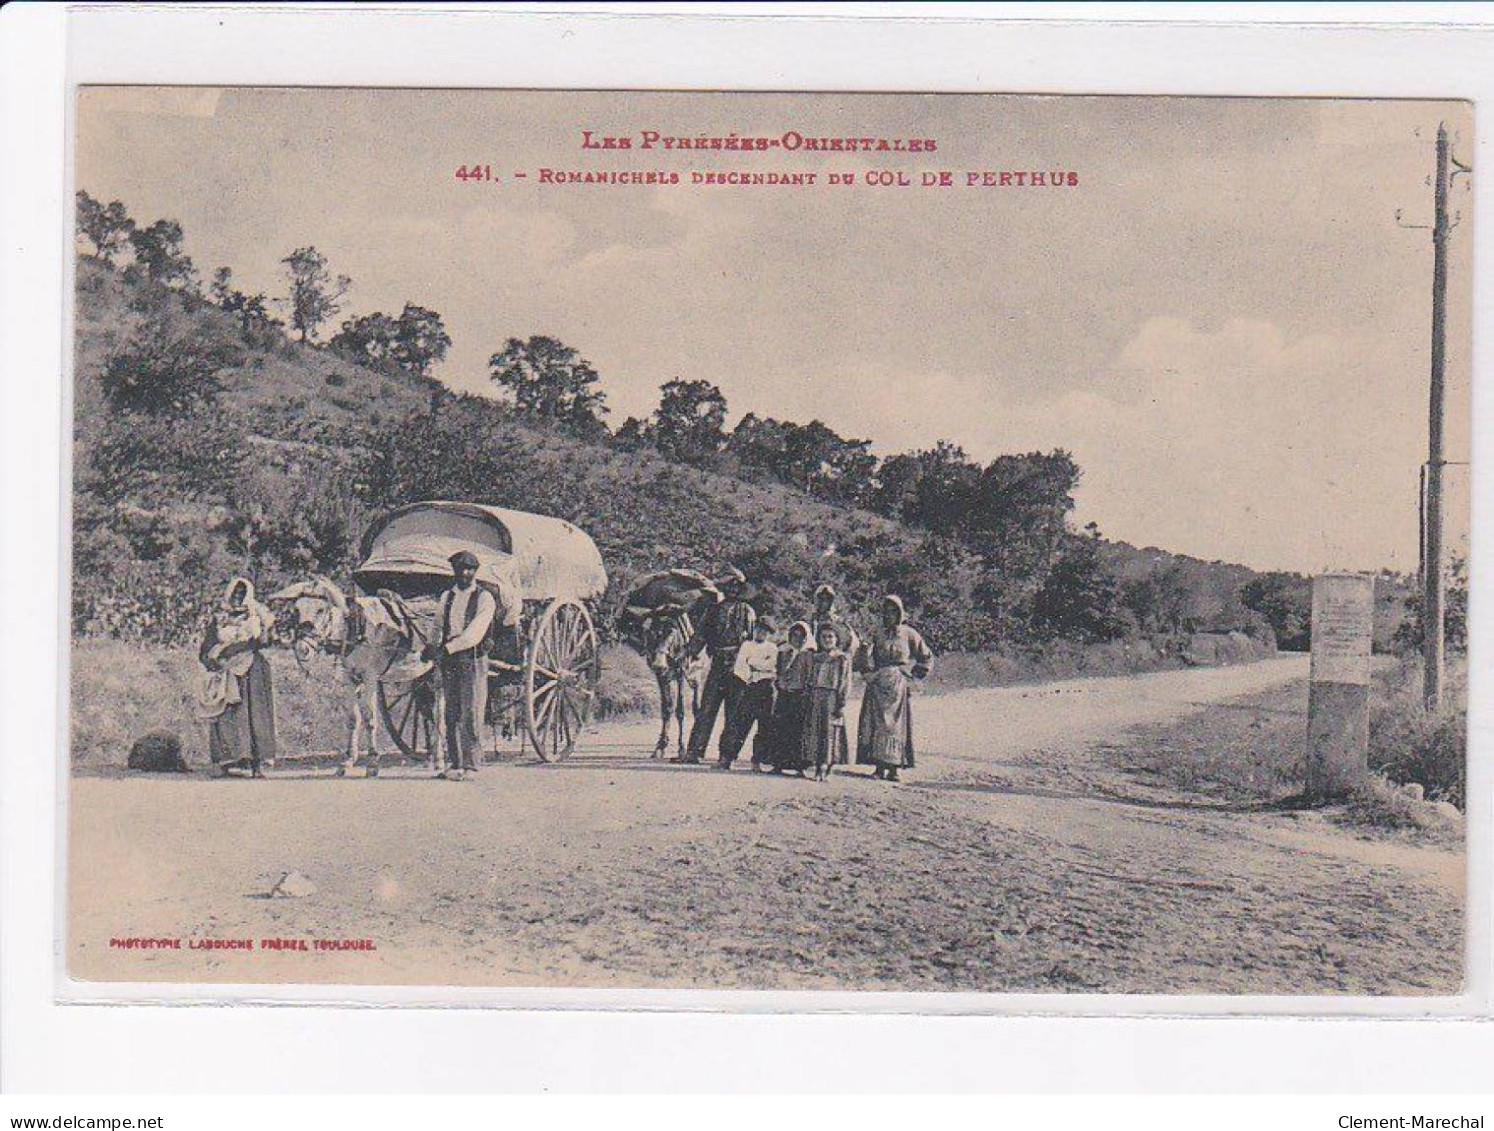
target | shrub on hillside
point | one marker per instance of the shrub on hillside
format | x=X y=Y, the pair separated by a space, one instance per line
x=133 y=456
x=298 y=521
x=171 y=363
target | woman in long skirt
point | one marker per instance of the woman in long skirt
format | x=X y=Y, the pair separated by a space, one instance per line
x=826 y=674
x=236 y=698
x=894 y=656
x=788 y=709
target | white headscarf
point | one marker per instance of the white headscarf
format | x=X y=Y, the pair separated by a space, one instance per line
x=251 y=622
x=894 y=599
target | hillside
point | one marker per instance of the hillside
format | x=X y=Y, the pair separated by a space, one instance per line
x=309 y=423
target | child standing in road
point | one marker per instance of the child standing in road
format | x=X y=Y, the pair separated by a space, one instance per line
x=827 y=678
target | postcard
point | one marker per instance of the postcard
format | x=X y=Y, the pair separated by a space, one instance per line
x=928 y=542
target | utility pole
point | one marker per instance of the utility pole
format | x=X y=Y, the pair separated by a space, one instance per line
x=1431 y=577
x=1431 y=606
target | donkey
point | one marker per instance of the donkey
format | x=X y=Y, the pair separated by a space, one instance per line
x=372 y=636
x=656 y=621
x=663 y=639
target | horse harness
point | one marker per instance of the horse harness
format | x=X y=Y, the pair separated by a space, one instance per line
x=355 y=627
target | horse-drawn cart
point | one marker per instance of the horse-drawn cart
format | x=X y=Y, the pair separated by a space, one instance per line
x=546 y=575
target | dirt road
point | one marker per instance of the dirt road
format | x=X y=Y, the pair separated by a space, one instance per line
x=1010 y=859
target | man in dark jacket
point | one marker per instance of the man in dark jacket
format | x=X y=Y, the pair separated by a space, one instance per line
x=721 y=633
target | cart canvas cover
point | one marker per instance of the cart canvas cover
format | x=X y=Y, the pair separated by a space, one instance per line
x=524 y=557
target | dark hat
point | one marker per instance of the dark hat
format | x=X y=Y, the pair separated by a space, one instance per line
x=464 y=559
x=767 y=622
x=825 y=588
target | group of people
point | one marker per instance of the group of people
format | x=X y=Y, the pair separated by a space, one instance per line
x=793 y=693
x=789 y=697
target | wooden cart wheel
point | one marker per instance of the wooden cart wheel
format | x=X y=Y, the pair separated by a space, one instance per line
x=562 y=669
x=409 y=711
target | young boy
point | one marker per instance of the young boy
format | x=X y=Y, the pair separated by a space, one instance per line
x=755 y=670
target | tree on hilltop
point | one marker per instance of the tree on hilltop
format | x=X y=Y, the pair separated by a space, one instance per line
x=315 y=293
x=421 y=339
x=414 y=341
x=158 y=252
x=368 y=339
x=687 y=425
x=106 y=226
x=549 y=381
x=813 y=457
x=1080 y=599
x=252 y=311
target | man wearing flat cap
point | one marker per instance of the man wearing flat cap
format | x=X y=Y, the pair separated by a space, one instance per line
x=466 y=614
x=721 y=633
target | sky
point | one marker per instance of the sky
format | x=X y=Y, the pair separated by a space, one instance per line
x=1223 y=320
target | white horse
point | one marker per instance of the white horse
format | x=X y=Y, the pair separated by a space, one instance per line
x=375 y=638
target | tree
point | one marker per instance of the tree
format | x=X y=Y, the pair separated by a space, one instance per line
x=221 y=288
x=687 y=425
x=1285 y=601
x=253 y=310
x=1017 y=515
x=933 y=488
x=632 y=436
x=421 y=339
x=824 y=463
x=1408 y=634
x=551 y=382
x=107 y=227
x=367 y=339
x=1159 y=600
x=158 y=251
x=414 y=341
x=315 y=293
x=813 y=457
x=895 y=485
x=1080 y=597
x=758 y=444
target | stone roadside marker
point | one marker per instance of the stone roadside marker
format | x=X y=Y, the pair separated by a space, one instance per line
x=1343 y=607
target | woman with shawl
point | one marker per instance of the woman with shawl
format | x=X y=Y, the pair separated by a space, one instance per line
x=788 y=708
x=825 y=673
x=894 y=656
x=235 y=697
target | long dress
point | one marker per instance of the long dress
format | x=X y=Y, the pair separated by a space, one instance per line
x=884 y=734
x=848 y=642
x=787 y=752
x=827 y=678
x=243 y=730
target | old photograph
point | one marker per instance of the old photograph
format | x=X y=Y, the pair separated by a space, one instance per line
x=764 y=541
